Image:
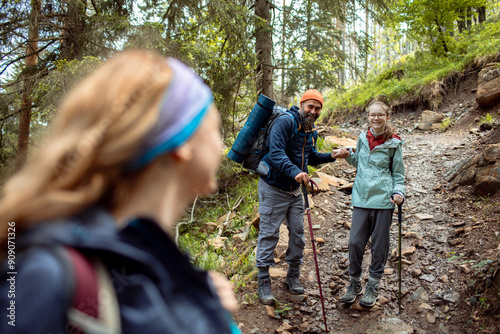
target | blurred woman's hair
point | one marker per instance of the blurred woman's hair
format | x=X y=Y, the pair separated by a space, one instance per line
x=388 y=130
x=98 y=129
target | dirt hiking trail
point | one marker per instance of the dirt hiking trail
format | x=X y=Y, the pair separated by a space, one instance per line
x=442 y=230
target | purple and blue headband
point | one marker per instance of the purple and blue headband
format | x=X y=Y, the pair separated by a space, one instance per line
x=184 y=105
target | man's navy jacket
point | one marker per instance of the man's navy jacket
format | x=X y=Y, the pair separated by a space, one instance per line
x=290 y=149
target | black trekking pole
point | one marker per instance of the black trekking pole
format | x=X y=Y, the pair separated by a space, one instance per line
x=400 y=218
x=306 y=204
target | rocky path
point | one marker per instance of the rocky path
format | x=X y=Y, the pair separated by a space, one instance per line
x=434 y=298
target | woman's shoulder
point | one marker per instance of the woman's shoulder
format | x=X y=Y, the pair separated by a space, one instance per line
x=41 y=266
x=39 y=288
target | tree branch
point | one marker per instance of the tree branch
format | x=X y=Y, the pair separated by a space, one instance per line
x=95 y=7
x=6 y=117
x=52 y=41
x=231 y=209
x=189 y=222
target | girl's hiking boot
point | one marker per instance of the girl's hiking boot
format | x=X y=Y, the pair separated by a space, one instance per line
x=293 y=284
x=264 y=291
x=353 y=290
x=371 y=294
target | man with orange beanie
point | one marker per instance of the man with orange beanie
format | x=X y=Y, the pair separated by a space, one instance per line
x=290 y=147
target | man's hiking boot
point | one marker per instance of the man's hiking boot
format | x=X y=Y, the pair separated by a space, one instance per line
x=353 y=290
x=371 y=294
x=264 y=291
x=293 y=284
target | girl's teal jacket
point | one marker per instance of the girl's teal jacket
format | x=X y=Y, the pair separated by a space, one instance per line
x=374 y=183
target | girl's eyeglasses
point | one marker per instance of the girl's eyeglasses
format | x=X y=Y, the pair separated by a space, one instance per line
x=379 y=116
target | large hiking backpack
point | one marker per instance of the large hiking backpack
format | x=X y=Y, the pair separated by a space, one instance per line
x=258 y=149
x=249 y=147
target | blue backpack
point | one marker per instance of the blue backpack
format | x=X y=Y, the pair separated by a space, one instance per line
x=249 y=148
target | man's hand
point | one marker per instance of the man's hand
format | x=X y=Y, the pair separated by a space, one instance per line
x=340 y=153
x=302 y=178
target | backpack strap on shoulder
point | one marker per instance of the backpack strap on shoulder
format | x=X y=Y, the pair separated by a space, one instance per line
x=298 y=126
x=85 y=279
x=88 y=314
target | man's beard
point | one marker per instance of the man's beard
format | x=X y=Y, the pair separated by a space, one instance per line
x=308 y=121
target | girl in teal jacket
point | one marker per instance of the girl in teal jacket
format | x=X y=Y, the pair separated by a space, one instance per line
x=378 y=186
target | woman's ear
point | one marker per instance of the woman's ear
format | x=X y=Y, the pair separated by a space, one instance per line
x=183 y=153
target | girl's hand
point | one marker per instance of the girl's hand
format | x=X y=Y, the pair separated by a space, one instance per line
x=224 y=290
x=396 y=199
x=340 y=153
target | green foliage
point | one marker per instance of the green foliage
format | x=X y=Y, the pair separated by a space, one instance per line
x=434 y=22
x=322 y=146
x=445 y=124
x=250 y=297
x=281 y=309
x=52 y=88
x=485 y=271
x=201 y=255
x=237 y=261
x=488 y=119
x=413 y=73
x=216 y=40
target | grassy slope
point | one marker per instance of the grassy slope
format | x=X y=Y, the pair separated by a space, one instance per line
x=408 y=80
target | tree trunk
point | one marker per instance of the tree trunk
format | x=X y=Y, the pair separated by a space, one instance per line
x=481 y=14
x=441 y=36
x=283 y=51
x=468 y=20
x=375 y=47
x=308 y=41
x=74 y=27
x=263 y=48
x=367 y=30
x=28 y=82
x=354 y=49
x=342 y=68
x=461 y=21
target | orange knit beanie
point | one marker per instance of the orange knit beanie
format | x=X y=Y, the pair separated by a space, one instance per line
x=312 y=94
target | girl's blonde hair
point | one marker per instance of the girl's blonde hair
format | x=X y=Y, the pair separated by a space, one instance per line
x=97 y=131
x=388 y=130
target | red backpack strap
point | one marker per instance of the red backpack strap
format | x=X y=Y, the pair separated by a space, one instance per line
x=85 y=286
x=84 y=315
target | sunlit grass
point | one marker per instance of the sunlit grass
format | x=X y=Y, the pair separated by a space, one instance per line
x=412 y=73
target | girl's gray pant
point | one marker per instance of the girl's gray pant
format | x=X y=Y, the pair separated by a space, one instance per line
x=365 y=223
x=274 y=207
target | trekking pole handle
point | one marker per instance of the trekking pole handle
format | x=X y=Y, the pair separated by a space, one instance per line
x=305 y=193
x=399 y=205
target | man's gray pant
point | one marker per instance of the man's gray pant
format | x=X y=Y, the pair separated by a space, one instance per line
x=365 y=223
x=274 y=206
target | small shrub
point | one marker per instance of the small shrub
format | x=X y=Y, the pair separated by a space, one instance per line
x=281 y=309
x=445 y=124
x=488 y=119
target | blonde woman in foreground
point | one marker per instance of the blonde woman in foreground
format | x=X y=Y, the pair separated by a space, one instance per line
x=130 y=148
